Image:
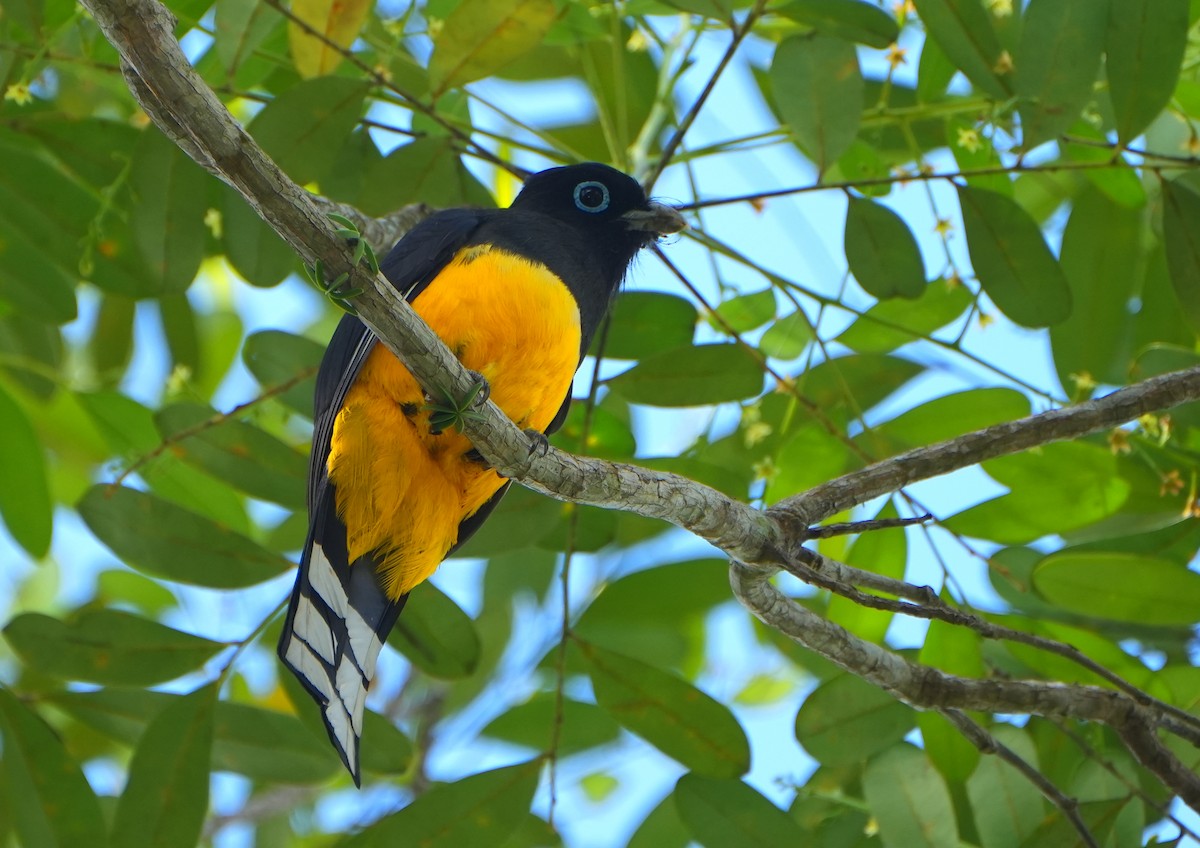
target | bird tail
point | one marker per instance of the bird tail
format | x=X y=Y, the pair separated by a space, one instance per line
x=336 y=623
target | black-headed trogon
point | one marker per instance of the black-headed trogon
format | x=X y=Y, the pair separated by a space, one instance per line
x=517 y=294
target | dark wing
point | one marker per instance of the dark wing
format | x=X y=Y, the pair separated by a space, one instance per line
x=339 y=616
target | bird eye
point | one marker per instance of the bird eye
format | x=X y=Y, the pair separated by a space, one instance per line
x=591 y=196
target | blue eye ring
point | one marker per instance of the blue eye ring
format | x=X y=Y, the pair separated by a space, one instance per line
x=582 y=203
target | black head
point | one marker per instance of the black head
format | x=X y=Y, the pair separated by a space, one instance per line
x=603 y=202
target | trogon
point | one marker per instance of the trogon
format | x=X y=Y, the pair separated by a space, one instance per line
x=517 y=294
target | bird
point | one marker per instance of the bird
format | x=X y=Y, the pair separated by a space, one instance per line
x=517 y=294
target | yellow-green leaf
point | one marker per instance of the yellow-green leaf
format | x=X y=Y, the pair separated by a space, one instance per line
x=481 y=36
x=338 y=22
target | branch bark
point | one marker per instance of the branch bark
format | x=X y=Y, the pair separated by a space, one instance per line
x=758 y=542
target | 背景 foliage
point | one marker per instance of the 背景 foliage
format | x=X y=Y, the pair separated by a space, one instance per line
x=998 y=165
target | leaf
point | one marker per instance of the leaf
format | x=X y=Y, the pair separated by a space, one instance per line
x=819 y=89
x=726 y=813
x=304 y=128
x=254 y=250
x=1121 y=183
x=239 y=29
x=436 y=635
x=275 y=357
x=661 y=828
x=849 y=20
x=1145 y=45
x=1058 y=488
x=950 y=649
x=50 y=801
x=427 y=170
x=857 y=382
x=881 y=251
x=167 y=218
x=1102 y=259
x=1120 y=586
x=483 y=809
x=890 y=324
x=1181 y=232
x=644 y=323
x=943 y=418
x=168 y=541
x=788 y=337
x=237 y=452
x=25 y=502
x=847 y=720
x=338 y=21
x=108 y=647
x=166 y=796
x=481 y=36
x=655 y=614
x=1059 y=53
x=963 y=31
x=1007 y=807
x=669 y=713
x=691 y=376
x=530 y=724
x=745 y=312
x=1012 y=261
x=909 y=800
x=810 y=456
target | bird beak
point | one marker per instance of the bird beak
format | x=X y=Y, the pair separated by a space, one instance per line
x=656 y=218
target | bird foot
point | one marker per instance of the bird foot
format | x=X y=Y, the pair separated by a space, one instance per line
x=539 y=443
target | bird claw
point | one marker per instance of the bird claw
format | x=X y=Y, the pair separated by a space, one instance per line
x=539 y=443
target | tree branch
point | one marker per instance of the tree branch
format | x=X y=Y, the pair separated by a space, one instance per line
x=180 y=102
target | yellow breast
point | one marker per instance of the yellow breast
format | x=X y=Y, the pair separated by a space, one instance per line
x=402 y=491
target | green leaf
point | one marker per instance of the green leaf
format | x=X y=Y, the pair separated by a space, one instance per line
x=881 y=251
x=1102 y=259
x=657 y=613
x=107 y=646
x=891 y=324
x=25 y=502
x=1007 y=807
x=746 y=312
x=237 y=452
x=788 y=337
x=963 y=31
x=909 y=800
x=645 y=323
x=427 y=170
x=254 y=250
x=691 y=376
x=483 y=809
x=810 y=456
x=726 y=813
x=849 y=20
x=950 y=649
x=1145 y=45
x=661 y=828
x=934 y=72
x=1055 y=489
x=819 y=88
x=1120 y=586
x=945 y=418
x=239 y=29
x=50 y=801
x=530 y=724
x=856 y=382
x=1059 y=53
x=1120 y=182
x=1181 y=232
x=847 y=720
x=436 y=635
x=165 y=540
x=1012 y=261
x=481 y=36
x=304 y=128
x=166 y=796
x=275 y=357
x=883 y=552
x=132 y=589
x=669 y=713
x=167 y=218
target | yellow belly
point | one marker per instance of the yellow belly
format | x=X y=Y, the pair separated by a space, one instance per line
x=401 y=491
